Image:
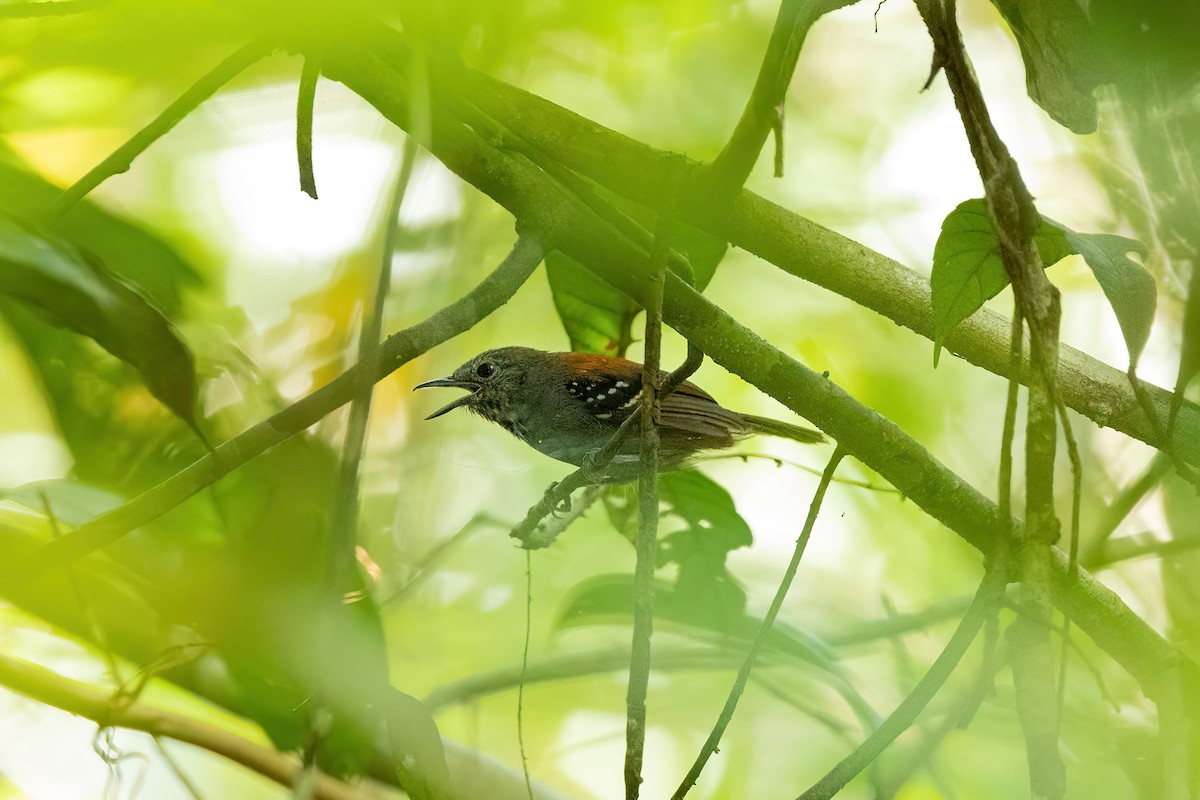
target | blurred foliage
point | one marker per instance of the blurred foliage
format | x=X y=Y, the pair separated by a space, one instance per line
x=150 y=302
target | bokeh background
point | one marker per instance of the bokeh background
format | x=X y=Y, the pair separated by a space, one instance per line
x=269 y=294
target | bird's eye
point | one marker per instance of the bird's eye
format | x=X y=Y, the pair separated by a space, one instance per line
x=485 y=370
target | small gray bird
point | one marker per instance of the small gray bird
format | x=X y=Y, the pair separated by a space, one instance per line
x=568 y=405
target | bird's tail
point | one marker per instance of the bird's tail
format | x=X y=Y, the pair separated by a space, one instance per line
x=773 y=427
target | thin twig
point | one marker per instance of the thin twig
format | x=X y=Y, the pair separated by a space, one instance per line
x=779 y=462
x=123 y=156
x=340 y=555
x=906 y=673
x=764 y=109
x=739 y=684
x=188 y=784
x=305 y=98
x=524 y=669
x=1008 y=433
x=46 y=687
x=423 y=569
x=399 y=348
x=982 y=607
x=1073 y=554
x=646 y=545
x=1122 y=505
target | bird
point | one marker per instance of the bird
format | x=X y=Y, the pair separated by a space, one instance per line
x=568 y=405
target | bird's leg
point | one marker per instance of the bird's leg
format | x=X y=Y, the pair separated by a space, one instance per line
x=562 y=506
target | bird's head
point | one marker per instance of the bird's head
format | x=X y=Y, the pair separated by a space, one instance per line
x=494 y=379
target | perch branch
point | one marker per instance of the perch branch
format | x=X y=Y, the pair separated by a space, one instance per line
x=646 y=544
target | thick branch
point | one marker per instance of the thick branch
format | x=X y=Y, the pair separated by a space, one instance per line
x=812 y=252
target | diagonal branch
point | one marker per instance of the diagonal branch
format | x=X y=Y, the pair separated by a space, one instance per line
x=552 y=134
x=494 y=291
x=764 y=110
x=44 y=686
x=983 y=606
x=123 y=156
x=743 y=676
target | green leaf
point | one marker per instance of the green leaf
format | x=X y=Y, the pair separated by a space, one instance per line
x=608 y=599
x=713 y=527
x=133 y=253
x=1130 y=289
x=71 y=502
x=968 y=271
x=1063 y=61
x=596 y=316
x=79 y=293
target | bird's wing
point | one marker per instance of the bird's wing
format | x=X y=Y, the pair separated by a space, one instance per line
x=612 y=388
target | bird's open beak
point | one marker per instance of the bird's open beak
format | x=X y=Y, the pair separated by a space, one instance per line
x=452 y=383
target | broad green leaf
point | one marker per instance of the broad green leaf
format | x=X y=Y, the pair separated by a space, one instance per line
x=596 y=316
x=608 y=599
x=78 y=293
x=132 y=252
x=1128 y=286
x=1063 y=62
x=71 y=502
x=968 y=271
x=713 y=528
